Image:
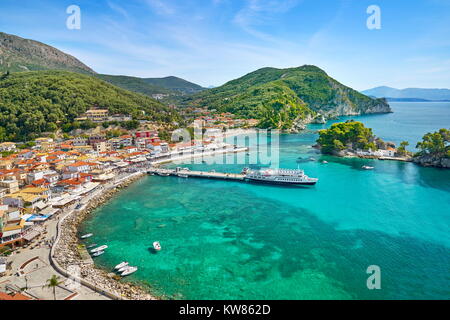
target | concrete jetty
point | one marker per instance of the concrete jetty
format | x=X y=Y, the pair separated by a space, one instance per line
x=185 y=173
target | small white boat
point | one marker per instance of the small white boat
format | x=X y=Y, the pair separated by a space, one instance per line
x=92 y=245
x=101 y=248
x=156 y=245
x=367 y=167
x=324 y=161
x=129 y=270
x=182 y=175
x=87 y=236
x=98 y=253
x=163 y=174
x=122 y=269
x=121 y=265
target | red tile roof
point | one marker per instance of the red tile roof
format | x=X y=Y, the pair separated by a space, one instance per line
x=16 y=296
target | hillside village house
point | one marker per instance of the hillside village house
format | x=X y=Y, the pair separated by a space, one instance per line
x=146 y=134
x=120 y=118
x=97 y=115
x=80 y=141
x=78 y=167
x=126 y=140
x=7 y=146
x=44 y=143
x=12 y=186
x=102 y=146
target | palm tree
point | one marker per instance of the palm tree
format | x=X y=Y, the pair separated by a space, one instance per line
x=52 y=283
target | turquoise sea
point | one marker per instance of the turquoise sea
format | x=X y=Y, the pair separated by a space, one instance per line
x=234 y=240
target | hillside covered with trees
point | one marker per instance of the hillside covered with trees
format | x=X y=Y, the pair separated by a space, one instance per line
x=44 y=101
x=281 y=98
x=346 y=135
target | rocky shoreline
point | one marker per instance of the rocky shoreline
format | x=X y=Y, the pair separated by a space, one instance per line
x=432 y=161
x=67 y=250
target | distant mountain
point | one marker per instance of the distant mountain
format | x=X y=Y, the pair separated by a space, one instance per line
x=175 y=84
x=287 y=98
x=412 y=94
x=45 y=101
x=135 y=84
x=19 y=54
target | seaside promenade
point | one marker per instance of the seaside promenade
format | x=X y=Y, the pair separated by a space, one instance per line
x=33 y=265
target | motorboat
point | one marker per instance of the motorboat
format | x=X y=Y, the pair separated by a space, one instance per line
x=367 y=167
x=324 y=162
x=122 y=269
x=182 y=175
x=101 y=248
x=87 y=236
x=98 y=253
x=121 y=265
x=157 y=246
x=128 y=271
x=92 y=246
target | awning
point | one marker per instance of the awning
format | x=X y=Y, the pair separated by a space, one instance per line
x=31 y=235
x=49 y=211
x=11 y=233
x=36 y=218
x=26 y=216
x=40 y=205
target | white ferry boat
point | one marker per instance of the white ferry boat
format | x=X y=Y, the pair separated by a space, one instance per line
x=279 y=176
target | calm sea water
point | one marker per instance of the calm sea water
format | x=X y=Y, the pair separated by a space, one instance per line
x=231 y=240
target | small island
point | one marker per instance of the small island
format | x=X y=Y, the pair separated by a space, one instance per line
x=353 y=139
x=434 y=150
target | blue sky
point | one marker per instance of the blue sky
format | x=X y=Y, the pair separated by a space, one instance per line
x=213 y=41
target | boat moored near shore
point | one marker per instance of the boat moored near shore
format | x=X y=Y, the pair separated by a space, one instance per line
x=279 y=176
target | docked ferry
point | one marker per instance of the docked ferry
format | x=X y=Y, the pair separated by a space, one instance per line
x=279 y=176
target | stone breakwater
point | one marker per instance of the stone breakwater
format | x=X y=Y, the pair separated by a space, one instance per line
x=67 y=251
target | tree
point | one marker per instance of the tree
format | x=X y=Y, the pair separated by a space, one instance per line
x=351 y=133
x=52 y=283
x=402 y=148
x=436 y=143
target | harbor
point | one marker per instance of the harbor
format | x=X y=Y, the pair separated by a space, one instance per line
x=268 y=175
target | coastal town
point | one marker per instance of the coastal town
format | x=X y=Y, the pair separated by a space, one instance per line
x=50 y=183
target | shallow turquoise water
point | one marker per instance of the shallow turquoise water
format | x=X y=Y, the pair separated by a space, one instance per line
x=231 y=240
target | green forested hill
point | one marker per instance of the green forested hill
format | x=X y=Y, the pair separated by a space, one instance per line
x=42 y=101
x=283 y=97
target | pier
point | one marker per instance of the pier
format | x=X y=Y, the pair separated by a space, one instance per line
x=186 y=173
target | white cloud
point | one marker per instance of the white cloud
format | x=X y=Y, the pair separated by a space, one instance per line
x=161 y=7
